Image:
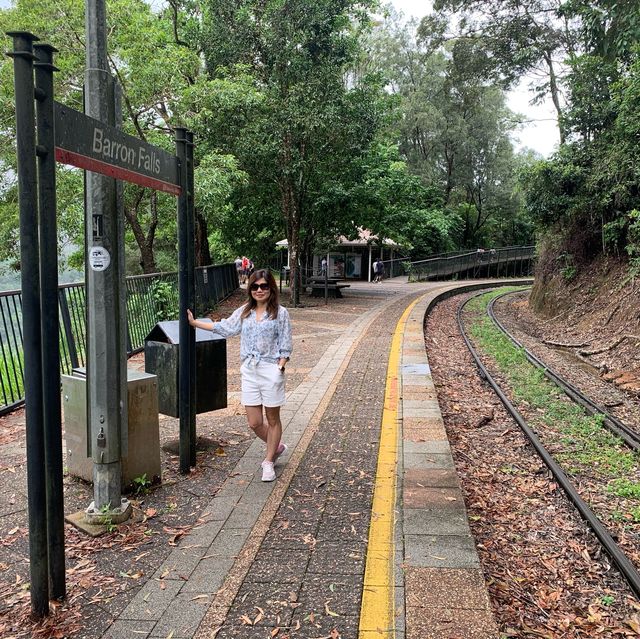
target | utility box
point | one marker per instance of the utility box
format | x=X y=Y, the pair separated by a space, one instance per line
x=162 y=357
x=143 y=454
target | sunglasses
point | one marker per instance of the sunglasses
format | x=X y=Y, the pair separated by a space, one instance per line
x=261 y=287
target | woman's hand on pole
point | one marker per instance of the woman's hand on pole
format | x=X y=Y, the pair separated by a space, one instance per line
x=190 y=318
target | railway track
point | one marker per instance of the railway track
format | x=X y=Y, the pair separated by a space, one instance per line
x=630 y=437
x=604 y=536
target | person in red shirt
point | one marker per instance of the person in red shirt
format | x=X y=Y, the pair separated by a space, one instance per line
x=245 y=268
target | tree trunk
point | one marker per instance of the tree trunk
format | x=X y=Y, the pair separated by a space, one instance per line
x=291 y=215
x=147 y=261
x=449 y=157
x=145 y=243
x=555 y=95
x=203 y=252
x=293 y=237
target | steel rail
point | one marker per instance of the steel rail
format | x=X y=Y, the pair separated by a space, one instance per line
x=623 y=563
x=619 y=428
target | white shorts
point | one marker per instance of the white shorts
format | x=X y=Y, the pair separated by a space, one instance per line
x=262 y=384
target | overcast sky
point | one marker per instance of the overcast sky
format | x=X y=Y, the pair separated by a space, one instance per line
x=540 y=133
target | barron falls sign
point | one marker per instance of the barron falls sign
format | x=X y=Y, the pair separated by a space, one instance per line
x=95 y=146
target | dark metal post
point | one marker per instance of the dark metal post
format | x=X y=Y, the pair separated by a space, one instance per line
x=50 y=317
x=23 y=58
x=191 y=271
x=326 y=285
x=183 y=288
x=104 y=274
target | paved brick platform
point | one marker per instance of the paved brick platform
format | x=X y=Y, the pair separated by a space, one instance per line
x=287 y=559
x=445 y=594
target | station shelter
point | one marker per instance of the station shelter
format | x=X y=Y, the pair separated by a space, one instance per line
x=351 y=259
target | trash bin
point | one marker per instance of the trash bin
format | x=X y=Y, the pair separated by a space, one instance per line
x=161 y=358
x=143 y=439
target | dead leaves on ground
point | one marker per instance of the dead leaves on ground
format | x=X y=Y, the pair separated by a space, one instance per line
x=84 y=580
x=547 y=576
x=282 y=632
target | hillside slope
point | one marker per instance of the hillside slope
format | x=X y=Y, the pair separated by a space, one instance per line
x=597 y=308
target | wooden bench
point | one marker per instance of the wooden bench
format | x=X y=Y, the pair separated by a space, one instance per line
x=333 y=290
x=316 y=280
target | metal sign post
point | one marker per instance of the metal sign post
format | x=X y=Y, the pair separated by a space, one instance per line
x=50 y=324
x=104 y=277
x=107 y=154
x=191 y=295
x=186 y=332
x=23 y=57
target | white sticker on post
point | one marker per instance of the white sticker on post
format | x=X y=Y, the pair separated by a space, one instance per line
x=99 y=258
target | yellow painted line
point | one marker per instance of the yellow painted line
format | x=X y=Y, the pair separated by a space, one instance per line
x=377 y=613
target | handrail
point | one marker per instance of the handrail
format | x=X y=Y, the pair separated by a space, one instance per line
x=501 y=262
x=149 y=298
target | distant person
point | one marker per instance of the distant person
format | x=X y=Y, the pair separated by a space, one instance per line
x=265 y=348
x=245 y=268
x=238 y=263
x=323 y=267
x=378 y=270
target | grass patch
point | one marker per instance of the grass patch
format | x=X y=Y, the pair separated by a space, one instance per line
x=623 y=487
x=586 y=445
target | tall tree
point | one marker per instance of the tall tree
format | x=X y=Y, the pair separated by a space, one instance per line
x=297 y=54
x=517 y=37
x=455 y=128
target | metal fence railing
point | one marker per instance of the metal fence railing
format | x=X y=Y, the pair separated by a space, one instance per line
x=150 y=298
x=511 y=261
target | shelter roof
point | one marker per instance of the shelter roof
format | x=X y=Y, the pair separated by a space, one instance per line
x=365 y=237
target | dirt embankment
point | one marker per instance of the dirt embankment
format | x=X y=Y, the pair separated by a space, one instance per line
x=595 y=311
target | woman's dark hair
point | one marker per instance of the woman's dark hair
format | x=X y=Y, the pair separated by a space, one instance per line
x=272 y=302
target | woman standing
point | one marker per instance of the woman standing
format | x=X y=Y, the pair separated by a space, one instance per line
x=265 y=348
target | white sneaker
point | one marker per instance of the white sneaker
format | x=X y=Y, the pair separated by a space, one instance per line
x=268 y=474
x=282 y=449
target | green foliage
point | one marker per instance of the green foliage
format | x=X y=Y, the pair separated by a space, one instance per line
x=141 y=484
x=11 y=379
x=591 y=111
x=275 y=97
x=163 y=295
x=297 y=133
x=614 y=234
x=587 y=190
x=633 y=242
x=623 y=487
x=608 y=28
x=151 y=65
x=568 y=268
x=454 y=132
